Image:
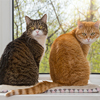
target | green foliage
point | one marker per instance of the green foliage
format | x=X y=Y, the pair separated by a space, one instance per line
x=44 y=66
x=94 y=57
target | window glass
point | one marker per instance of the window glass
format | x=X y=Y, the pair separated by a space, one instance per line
x=62 y=18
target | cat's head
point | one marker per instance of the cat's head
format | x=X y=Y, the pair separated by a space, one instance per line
x=87 y=32
x=36 y=28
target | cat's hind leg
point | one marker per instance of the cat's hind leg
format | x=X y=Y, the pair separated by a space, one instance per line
x=80 y=73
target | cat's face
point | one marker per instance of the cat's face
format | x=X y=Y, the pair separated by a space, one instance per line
x=36 y=28
x=87 y=32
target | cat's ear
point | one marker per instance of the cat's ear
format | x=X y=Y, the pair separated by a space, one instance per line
x=44 y=19
x=80 y=24
x=28 y=20
x=97 y=24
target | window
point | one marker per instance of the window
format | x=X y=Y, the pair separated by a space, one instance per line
x=62 y=18
x=6 y=37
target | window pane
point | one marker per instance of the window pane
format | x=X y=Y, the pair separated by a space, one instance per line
x=62 y=18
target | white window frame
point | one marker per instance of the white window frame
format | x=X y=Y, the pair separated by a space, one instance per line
x=5 y=23
x=6 y=35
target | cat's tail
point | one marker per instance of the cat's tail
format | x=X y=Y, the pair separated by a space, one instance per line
x=38 y=88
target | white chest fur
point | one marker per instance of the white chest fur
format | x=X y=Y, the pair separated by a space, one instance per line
x=42 y=42
x=39 y=36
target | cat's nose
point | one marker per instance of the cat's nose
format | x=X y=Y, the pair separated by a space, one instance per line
x=37 y=31
x=88 y=39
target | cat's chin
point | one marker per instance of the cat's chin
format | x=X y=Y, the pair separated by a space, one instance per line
x=36 y=36
x=89 y=43
x=39 y=36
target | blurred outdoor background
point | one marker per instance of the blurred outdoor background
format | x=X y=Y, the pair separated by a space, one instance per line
x=62 y=18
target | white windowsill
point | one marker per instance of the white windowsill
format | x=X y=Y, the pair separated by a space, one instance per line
x=54 y=96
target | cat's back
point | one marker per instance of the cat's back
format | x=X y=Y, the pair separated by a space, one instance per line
x=67 y=41
x=65 y=47
x=17 y=43
x=14 y=47
x=16 y=62
x=65 y=44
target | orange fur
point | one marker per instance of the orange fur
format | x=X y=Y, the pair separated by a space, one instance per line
x=68 y=62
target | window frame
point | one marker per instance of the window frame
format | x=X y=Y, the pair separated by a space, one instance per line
x=5 y=23
x=7 y=29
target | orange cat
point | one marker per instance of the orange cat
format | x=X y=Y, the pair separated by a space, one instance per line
x=68 y=62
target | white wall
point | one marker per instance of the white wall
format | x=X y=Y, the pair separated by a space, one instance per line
x=5 y=23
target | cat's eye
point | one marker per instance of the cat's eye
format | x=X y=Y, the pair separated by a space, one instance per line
x=40 y=27
x=92 y=33
x=84 y=34
x=32 y=28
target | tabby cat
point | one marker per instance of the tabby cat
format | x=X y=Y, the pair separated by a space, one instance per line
x=68 y=62
x=19 y=64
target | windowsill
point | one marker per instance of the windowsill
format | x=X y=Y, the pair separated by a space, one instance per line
x=54 y=96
